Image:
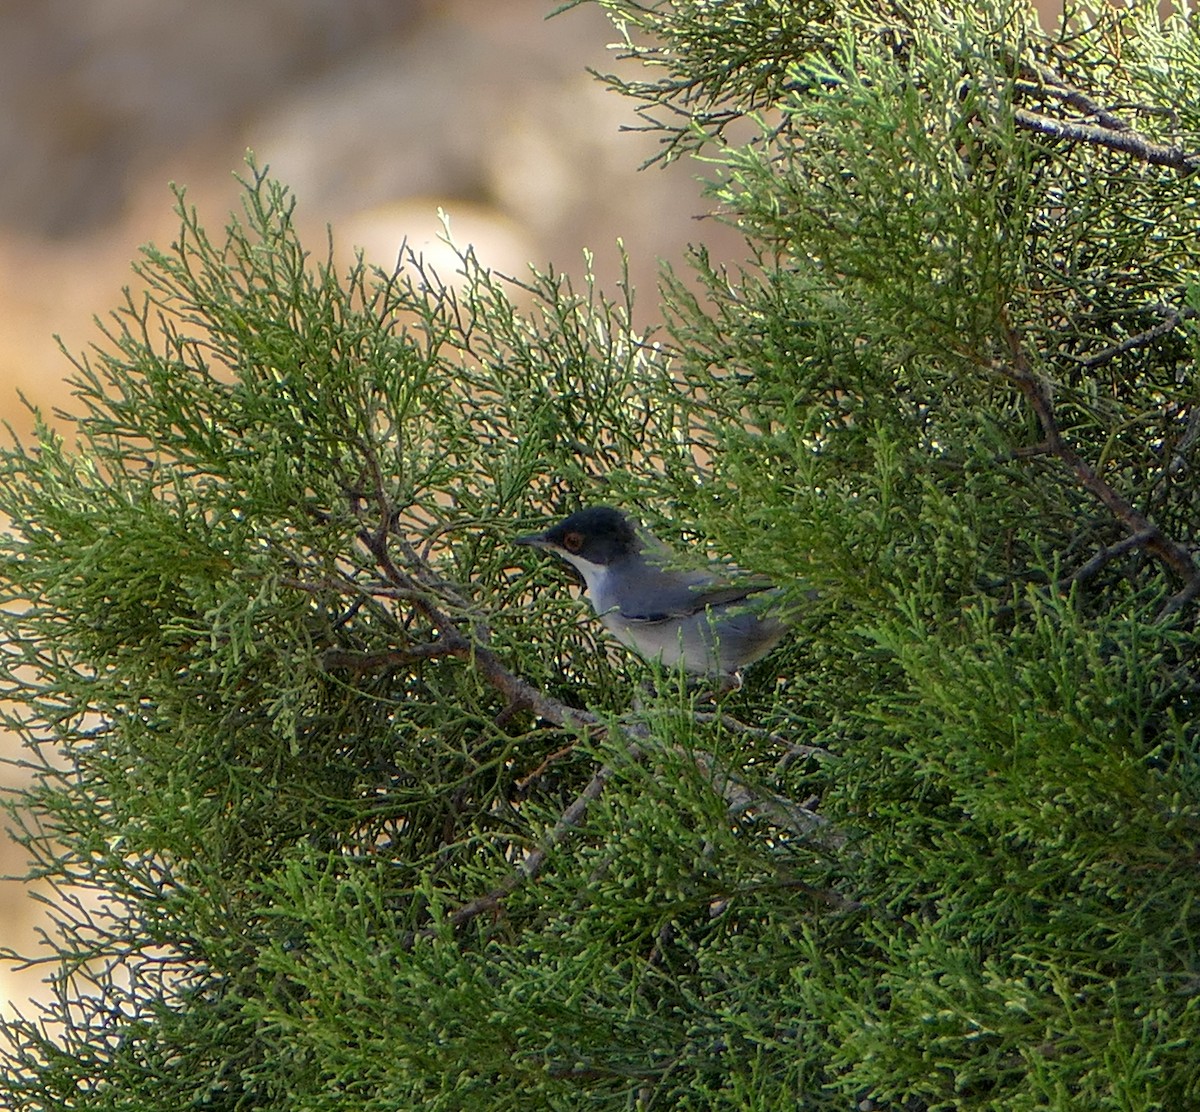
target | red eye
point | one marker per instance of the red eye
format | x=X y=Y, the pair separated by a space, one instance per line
x=573 y=542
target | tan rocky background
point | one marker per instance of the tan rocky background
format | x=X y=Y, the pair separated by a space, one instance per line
x=375 y=112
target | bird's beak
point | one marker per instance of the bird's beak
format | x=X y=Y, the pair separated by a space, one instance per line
x=533 y=540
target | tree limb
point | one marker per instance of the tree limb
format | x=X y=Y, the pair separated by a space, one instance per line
x=1111 y=552
x=1099 y=126
x=528 y=869
x=1141 y=339
x=1127 y=141
x=1167 y=550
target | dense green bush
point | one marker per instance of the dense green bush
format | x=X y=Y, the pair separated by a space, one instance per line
x=346 y=803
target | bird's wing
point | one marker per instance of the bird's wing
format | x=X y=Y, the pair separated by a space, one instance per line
x=677 y=604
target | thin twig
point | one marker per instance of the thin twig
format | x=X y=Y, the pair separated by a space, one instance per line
x=1190 y=435
x=1180 y=598
x=1099 y=126
x=568 y=821
x=526 y=782
x=740 y=798
x=775 y=808
x=731 y=724
x=336 y=660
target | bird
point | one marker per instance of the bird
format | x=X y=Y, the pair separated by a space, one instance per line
x=693 y=618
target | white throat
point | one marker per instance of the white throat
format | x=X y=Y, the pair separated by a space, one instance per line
x=595 y=578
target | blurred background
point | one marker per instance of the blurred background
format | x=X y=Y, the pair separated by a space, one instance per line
x=375 y=112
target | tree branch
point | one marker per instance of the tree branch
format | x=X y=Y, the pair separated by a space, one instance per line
x=521 y=695
x=1128 y=142
x=1099 y=126
x=740 y=798
x=1141 y=339
x=1168 y=551
x=1047 y=83
x=1111 y=552
x=567 y=822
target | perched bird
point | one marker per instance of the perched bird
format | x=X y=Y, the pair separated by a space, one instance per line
x=690 y=617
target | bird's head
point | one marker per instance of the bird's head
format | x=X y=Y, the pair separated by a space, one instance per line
x=599 y=536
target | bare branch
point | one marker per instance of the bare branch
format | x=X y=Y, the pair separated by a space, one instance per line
x=1190 y=434
x=526 y=782
x=1127 y=141
x=1097 y=125
x=793 y=749
x=775 y=808
x=335 y=660
x=1048 y=84
x=1180 y=598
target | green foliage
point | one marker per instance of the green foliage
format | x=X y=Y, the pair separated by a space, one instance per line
x=312 y=843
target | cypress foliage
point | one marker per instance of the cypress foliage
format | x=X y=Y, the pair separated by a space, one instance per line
x=345 y=803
